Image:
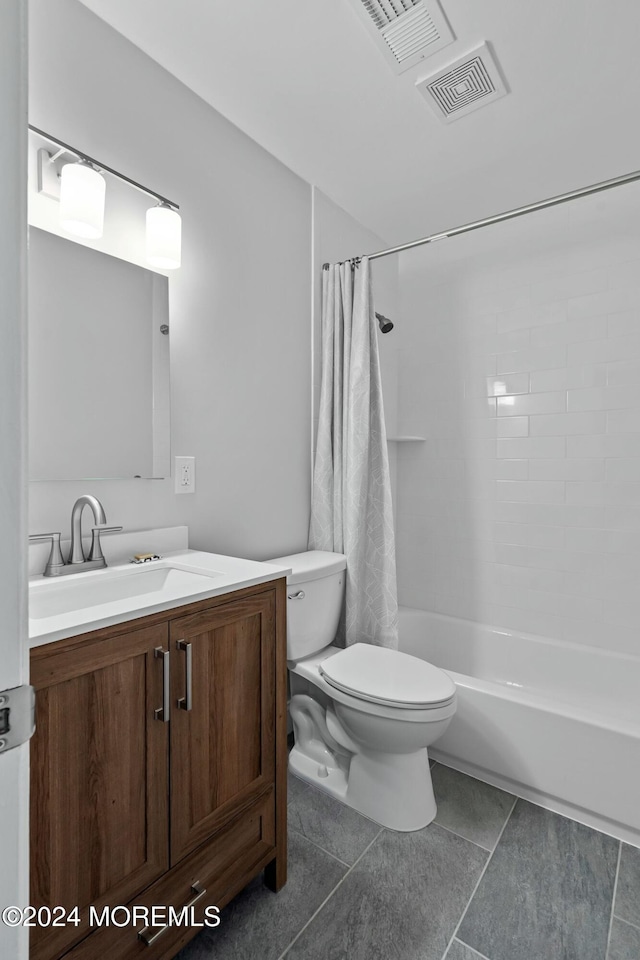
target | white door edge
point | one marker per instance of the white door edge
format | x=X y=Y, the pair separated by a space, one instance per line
x=14 y=763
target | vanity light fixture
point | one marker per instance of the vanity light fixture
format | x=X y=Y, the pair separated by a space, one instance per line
x=164 y=232
x=82 y=193
x=76 y=180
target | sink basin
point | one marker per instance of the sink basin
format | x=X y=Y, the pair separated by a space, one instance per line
x=145 y=587
x=82 y=602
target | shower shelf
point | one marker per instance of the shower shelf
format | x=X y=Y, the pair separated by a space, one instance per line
x=406 y=439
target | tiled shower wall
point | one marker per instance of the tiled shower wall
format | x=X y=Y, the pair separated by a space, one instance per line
x=519 y=364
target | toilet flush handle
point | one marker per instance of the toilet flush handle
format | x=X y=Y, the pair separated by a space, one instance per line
x=296 y=596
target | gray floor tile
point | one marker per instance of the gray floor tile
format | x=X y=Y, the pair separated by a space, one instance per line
x=259 y=923
x=625 y=941
x=473 y=809
x=628 y=890
x=402 y=900
x=460 y=951
x=334 y=826
x=295 y=787
x=547 y=892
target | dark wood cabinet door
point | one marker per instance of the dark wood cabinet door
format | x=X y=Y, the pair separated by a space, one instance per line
x=99 y=777
x=222 y=748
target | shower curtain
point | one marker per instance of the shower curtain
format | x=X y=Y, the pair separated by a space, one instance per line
x=351 y=509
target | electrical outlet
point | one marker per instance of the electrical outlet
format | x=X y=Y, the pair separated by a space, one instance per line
x=185 y=474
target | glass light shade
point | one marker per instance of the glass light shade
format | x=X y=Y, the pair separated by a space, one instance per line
x=82 y=192
x=164 y=238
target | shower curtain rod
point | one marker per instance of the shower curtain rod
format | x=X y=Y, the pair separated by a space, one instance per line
x=511 y=214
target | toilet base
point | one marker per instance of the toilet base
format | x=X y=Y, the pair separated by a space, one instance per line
x=395 y=790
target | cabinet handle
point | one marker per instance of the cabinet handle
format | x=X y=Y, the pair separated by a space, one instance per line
x=186 y=702
x=162 y=713
x=199 y=891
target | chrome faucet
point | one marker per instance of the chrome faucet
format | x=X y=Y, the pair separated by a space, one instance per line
x=76 y=554
x=77 y=562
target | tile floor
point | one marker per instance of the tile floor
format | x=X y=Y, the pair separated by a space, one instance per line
x=493 y=878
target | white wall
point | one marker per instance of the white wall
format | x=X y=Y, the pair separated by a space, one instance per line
x=240 y=306
x=337 y=236
x=14 y=764
x=523 y=510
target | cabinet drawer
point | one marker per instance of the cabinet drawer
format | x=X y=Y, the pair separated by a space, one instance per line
x=222 y=867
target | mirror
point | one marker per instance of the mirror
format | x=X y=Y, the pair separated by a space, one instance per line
x=98 y=364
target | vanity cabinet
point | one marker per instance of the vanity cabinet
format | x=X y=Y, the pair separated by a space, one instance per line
x=158 y=770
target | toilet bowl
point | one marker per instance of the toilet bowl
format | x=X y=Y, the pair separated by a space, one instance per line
x=364 y=716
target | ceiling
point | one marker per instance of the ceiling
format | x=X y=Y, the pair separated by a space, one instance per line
x=306 y=81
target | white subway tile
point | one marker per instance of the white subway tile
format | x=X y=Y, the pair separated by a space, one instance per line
x=569 y=378
x=623 y=421
x=568 y=285
x=517 y=319
x=479 y=407
x=523 y=507
x=625 y=323
x=590 y=470
x=479 y=429
x=520 y=555
x=623 y=469
x=591 y=633
x=512 y=427
x=501 y=300
x=507 y=341
x=544 y=381
x=582 y=583
x=622 y=445
x=475 y=386
x=605 y=302
x=586 y=446
x=603 y=351
x=621 y=566
x=590 y=398
x=526 y=534
x=566 y=605
x=507 y=385
x=623 y=395
x=469 y=366
x=610 y=445
x=551 y=514
x=545 y=448
x=531 y=404
x=572 y=331
x=623 y=371
x=626 y=614
x=567 y=424
x=531 y=578
x=537 y=491
x=541 y=358
x=622 y=493
x=586 y=539
x=511 y=490
x=584 y=493
x=622 y=541
x=623 y=516
x=624 y=274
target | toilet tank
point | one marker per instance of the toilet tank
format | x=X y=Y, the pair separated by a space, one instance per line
x=315 y=589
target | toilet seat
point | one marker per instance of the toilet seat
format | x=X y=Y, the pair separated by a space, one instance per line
x=388 y=677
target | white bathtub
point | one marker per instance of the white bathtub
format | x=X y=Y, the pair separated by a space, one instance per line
x=554 y=722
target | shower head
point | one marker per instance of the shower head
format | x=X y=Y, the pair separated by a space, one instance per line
x=384 y=324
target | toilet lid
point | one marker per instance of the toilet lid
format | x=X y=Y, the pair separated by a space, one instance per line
x=387 y=676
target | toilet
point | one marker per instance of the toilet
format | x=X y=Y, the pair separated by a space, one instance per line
x=364 y=716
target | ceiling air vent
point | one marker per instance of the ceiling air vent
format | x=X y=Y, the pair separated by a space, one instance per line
x=406 y=31
x=464 y=85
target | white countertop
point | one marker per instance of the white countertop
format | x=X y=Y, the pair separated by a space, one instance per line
x=225 y=574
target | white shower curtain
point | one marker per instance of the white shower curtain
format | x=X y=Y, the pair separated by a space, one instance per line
x=351 y=509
